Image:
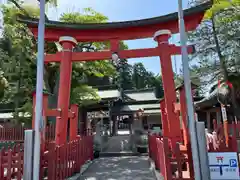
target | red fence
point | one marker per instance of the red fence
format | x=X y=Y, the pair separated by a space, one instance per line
x=233 y=129
x=63 y=161
x=11 y=163
x=233 y=137
x=59 y=162
x=173 y=163
x=12 y=134
x=17 y=133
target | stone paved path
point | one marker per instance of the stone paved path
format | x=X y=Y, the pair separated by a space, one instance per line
x=117 y=144
x=119 y=168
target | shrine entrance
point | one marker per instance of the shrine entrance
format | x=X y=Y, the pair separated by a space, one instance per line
x=160 y=29
x=123 y=124
x=68 y=38
x=115 y=125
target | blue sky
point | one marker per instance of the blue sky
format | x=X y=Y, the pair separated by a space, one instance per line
x=122 y=10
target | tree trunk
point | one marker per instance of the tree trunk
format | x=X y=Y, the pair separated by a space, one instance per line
x=17 y=97
x=220 y=56
x=224 y=69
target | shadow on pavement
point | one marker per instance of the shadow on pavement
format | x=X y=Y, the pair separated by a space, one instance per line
x=119 y=168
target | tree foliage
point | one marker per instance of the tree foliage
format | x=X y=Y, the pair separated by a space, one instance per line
x=226 y=6
x=217 y=41
x=136 y=77
x=18 y=61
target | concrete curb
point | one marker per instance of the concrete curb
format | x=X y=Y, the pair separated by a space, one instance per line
x=157 y=174
x=82 y=170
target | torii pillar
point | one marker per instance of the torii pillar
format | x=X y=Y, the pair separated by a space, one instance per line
x=172 y=118
x=72 y=115
x=183 y=111
x=165 y=130
x=67 y=43
x=45 y=106
x=44 y=116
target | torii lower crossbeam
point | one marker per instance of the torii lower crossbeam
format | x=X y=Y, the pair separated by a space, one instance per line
x=124 y=54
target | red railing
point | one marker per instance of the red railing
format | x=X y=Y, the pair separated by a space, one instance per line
x=163 y=157
x=233 y=137
x=12 y=134
x=220 y=145
x=63 y=161
x=59 y=162
x=181 y=163
x=50 y=133
x=17 y=133
x=11 y=163
x=173 y=163
x=233 y=129
x=152 y=146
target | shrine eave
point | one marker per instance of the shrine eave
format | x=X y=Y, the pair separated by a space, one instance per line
x=118 y=30
x=209 y=101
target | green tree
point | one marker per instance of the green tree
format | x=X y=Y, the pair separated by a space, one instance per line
x=134 y=76
x=141 y=77
x=19 y=59
x=218 y=45
x=157 y=83
x=228 y=7
x=124 y=75
x=20 y=5
x=18 y=55
x=83 y=71
x=217 y=42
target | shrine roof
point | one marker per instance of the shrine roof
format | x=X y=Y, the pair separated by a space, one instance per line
x=141 y=106
x=108 y=94
x=141 y=95
x=211 y=99
x=135 y=95
x=109 y=26
x=208 y=101
x=152 y=112
x=180 y=86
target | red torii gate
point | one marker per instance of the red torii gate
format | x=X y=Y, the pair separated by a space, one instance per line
x=161 y=27
x=72 y=115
